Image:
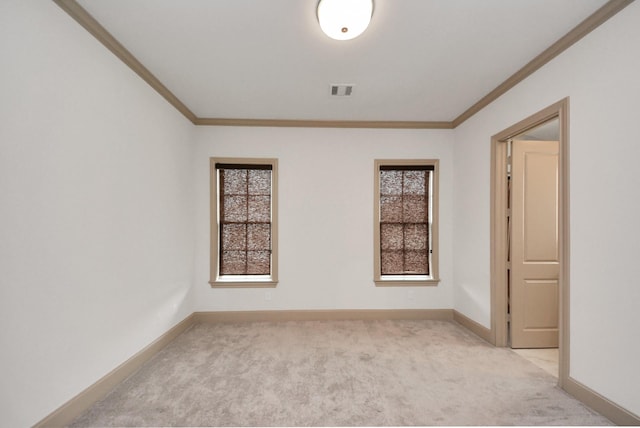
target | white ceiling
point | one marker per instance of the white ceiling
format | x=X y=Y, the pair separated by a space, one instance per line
x=419 y=60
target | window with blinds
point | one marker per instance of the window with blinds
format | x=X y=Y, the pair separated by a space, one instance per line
x=244 y=230
x=405 y=221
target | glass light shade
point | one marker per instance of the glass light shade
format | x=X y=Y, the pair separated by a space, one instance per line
x=344 y=19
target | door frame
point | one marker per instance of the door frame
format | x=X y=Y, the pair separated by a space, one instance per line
x=498 y=232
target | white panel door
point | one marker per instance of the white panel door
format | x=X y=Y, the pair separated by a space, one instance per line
x=535 y=266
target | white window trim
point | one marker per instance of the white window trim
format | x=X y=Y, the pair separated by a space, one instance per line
x=407 y=280
x=242 y=281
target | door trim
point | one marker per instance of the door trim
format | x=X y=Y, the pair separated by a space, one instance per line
x=499 y=337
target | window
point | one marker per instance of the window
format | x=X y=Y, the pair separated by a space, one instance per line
x=406 y=222
x=243 y=222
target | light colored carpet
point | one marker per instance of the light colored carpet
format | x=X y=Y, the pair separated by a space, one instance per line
x=336 y=373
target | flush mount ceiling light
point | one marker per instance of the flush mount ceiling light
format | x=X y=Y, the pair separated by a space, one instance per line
x=344 y=19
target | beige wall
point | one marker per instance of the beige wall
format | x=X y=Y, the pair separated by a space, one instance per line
x=325 y=216
x=599 y=74
x=105 y=186
x=95 y=212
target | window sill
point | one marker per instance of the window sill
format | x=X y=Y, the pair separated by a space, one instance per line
x=406 y=282
x=243 y=283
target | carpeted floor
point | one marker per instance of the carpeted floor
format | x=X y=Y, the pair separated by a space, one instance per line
x=336 y=373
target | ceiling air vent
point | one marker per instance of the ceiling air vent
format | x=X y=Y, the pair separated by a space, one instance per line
x=341 y=90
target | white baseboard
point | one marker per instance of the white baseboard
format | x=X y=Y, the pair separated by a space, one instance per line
x=600 y=404
x=325 y=315
x=65 y=414
x=476 y=328
x=73 y=408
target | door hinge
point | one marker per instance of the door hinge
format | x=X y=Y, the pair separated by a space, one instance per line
x=509 y=143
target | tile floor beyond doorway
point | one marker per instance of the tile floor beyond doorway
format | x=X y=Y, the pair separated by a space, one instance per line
x=546 y=359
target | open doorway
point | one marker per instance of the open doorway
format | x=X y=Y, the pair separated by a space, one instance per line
x=533 y=260
x=529 y=252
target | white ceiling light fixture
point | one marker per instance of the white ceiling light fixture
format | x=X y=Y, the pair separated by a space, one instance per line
x=344 y=19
